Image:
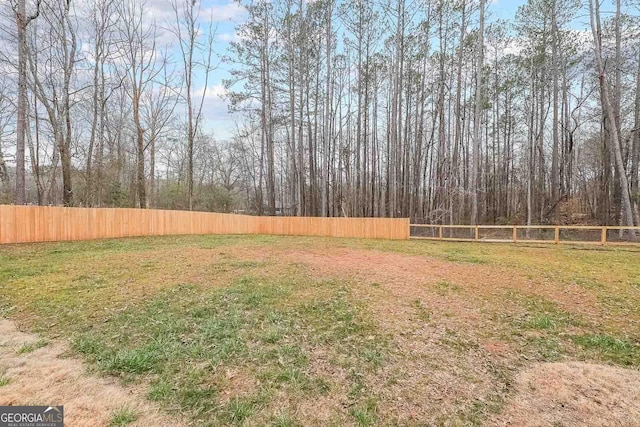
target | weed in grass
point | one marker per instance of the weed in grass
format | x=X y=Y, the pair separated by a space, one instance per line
x=272 y=336
x=457 y=341
x=239 y=409
x=374 y=357
x=133 y=361
x=547 y=348
x=84 y=280
x=588 y=283
x=159 y=390
x=610 y=348
x=542 y=314
x=462 y=256
x=357 y=384
x=245 y=264
x=477 y=414
x=366 y=414
x=443 y=287
x=541 y=321
x=123 y=417
x=88 y=345
x=294 y=377
x=285 y=421
x=31 y=347
x=423 y=312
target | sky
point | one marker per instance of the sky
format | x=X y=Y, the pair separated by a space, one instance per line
x=505 y=9
x=227 y=15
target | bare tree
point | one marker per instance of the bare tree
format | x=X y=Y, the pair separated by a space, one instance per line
x=615 y=141
x=138 y=49
x=196 y=57
x=7 y=113
x=22 y=21
x=53 y=83
x=477 y=116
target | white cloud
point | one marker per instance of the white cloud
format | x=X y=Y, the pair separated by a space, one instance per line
x=215 y=92
x=231 y=11
x=229 y=37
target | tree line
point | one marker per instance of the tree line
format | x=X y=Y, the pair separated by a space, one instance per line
x=428 y=109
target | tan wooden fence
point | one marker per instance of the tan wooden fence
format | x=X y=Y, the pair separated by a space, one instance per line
x=556 y=234
x=20 y=224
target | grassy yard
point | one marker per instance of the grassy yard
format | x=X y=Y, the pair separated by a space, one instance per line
x=291 y=331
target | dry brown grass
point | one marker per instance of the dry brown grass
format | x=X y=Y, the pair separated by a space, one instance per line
x=427 y=385
x=574 y=394
x=48 y=376
x=465 y=334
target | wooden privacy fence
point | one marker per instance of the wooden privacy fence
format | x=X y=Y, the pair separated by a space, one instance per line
x=20 y=224
x=581 y=234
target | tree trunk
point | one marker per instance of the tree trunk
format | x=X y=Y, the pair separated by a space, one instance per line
x=609 y=110
x=476 y=117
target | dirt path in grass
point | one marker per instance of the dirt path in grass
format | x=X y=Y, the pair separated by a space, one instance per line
x=36 y=372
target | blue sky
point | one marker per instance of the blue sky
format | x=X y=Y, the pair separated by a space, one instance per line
x=505 y=9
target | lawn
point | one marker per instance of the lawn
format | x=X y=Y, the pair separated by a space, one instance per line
x=285 y=331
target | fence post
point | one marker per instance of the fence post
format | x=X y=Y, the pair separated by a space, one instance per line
x=440 y=232
x=476 y=233
x=515 y=233
x=603 y=238
x=556 y=236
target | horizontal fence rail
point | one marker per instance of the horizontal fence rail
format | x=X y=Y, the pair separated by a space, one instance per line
x=555 y=234
x=21 y=224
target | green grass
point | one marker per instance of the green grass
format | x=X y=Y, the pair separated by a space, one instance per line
x=4 y=380
x=31 y=347
x=186 y=326
x=366 y=414
x=611 y=349
x=225 y=333
x=123 y=417
x=285 y=420
x=542 y=321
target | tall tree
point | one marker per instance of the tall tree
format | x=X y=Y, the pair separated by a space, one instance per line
x=139 y=54
x=608 y=107
x=22 y=21
x=477 y=116
x=196 y=55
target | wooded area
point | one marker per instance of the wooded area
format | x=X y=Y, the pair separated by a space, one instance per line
x=432 y=110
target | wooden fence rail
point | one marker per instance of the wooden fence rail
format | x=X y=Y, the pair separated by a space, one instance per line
x=556 y=234
x=19 y=224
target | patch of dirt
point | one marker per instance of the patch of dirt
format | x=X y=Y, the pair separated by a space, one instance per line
x=46 y=376
x=573 y=394
x=238 y=384
x=405 y=275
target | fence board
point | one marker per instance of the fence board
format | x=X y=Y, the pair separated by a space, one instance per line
x=21 y=224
